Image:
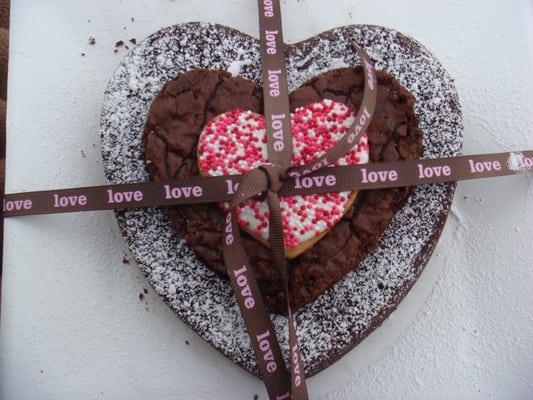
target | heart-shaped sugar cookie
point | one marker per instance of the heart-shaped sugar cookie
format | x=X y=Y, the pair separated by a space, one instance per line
x=235 y=143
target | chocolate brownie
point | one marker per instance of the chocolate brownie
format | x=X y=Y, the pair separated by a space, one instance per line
x=352 y=308
x=185 y=104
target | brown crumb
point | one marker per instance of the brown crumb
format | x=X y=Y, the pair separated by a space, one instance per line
x=119 y=43
x=145 y=291
x=187 y=342
x=256 y=397
x=125 y=260
x=133 y=41
x=92 y=40
x=141 y=296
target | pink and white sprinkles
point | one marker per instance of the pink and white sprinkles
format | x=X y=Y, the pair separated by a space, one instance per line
x=235 y=143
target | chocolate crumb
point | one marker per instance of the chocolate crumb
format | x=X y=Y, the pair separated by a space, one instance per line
x=145 y=291
x=141 y=296
x=133 y=40
x=125 y=260
x=119 y=43
x=92 y=40
x=187 y=342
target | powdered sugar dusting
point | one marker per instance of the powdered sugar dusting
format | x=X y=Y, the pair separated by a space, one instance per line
x=344 y=315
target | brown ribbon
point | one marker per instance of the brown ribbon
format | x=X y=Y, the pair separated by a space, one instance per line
x=268 y=178
x=280 y=383
x=223 y=188
x=276 y=179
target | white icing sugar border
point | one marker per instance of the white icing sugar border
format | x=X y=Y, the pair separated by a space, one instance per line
x=349 y=311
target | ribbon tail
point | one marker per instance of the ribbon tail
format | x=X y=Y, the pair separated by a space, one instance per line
x=298 y=386
x=252 y=307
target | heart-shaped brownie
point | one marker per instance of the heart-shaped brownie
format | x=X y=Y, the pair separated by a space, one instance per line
x=176 y=120
x=235 y=143
x=175 y=264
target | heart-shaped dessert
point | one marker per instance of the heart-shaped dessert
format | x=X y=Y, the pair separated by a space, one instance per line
x=235 y=143
x=178 y=115
x=180 y=78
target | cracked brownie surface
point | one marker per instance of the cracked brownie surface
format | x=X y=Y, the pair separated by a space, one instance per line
x=178 y=115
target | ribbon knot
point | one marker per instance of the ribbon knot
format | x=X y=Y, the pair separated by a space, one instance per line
x=275 y=175
x=265 y=178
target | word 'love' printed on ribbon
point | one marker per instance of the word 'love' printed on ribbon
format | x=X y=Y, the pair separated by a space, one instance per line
x=223 y=188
